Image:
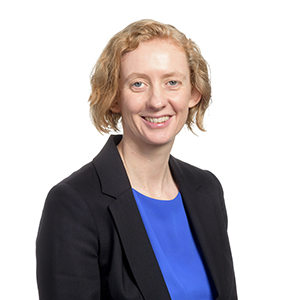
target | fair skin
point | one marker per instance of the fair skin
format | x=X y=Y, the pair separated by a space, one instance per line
x=155 y=97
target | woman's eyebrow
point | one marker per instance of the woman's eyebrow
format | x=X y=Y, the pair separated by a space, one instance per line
x=135 y=75
x=175 y=74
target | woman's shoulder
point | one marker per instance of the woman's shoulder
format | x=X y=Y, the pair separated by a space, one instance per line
x=190 y=171
x=81 y=183
x=79 y=178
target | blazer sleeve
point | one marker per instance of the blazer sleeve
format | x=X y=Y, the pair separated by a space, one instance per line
x=221 y=199
x=67 y=248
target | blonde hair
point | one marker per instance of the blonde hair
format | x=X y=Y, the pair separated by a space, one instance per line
x=106 y=72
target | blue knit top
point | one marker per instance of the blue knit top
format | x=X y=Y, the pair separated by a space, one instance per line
x=174 y=247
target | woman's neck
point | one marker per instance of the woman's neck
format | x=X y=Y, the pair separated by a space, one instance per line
x=148 y=169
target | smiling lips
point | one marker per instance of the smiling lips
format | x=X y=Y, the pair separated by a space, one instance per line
x=157 y=120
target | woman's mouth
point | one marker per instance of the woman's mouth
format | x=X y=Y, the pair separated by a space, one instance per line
x=157 y=120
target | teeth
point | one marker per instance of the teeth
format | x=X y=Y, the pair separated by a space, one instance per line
x=158 y=120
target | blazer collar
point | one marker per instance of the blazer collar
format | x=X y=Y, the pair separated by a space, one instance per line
x=110 y=168
x=198 y=205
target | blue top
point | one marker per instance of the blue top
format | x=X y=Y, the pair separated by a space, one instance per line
x=175 y=249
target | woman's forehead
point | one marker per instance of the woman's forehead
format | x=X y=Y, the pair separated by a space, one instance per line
x=157 y=54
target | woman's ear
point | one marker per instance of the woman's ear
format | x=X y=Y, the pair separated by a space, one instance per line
x=116 y=108
x=195 y=97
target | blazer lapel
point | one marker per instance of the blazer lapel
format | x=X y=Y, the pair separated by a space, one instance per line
x=133 y=236
x=203 y=220
x=137 y=247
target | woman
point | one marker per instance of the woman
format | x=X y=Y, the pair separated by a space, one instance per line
x=136 y=223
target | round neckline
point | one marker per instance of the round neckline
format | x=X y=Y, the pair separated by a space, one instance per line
x=160 y=200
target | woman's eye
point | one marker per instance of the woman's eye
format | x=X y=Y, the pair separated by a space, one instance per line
x=173 y=82
x=138 y=84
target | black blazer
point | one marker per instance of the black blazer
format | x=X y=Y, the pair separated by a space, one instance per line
x=92 y=243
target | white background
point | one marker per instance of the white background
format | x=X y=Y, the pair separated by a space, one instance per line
x=48 y=49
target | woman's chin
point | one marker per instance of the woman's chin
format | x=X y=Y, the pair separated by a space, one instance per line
x=159 y=139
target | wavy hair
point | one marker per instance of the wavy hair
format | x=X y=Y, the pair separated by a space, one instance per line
x=106 y=72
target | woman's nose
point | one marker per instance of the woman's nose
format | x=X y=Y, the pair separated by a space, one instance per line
x=157 y=99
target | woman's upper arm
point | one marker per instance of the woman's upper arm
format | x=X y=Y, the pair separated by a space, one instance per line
x=221 y=199
x=67 y=248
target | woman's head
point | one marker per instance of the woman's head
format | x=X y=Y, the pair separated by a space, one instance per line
x=106 y=74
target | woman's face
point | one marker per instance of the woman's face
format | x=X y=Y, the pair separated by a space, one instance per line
x=155 y=93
